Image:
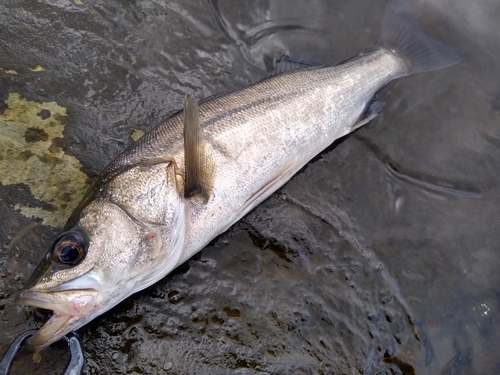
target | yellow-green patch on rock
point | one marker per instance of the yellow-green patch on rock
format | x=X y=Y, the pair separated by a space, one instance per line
x=27 y=155
x=8 y=71
x=136 y=134
x=37 y=68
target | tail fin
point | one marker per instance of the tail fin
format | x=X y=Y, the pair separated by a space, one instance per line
x=402 y=34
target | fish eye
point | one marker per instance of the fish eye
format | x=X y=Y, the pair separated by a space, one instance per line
x=70 y=248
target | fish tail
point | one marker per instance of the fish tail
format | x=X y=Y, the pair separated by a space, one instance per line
x=402 y=34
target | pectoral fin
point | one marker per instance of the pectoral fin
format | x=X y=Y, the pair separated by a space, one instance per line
x=198 y=162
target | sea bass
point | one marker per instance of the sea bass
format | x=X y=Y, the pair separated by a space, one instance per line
x=188 y=180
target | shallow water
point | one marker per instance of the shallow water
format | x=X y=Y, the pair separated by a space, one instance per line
x=379 y=257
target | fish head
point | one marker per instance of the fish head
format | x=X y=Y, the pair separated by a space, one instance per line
x=127 y=238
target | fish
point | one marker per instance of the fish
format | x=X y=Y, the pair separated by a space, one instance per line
x=191 y=178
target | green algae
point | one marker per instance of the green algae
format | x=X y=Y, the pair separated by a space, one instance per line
x=28 y=156
x=37 y=68
x=8 y=71
x=136 y=134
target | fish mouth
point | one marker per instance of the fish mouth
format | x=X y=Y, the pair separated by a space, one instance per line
x=72 y=309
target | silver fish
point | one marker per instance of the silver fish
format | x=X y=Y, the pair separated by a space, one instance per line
x=194 y=176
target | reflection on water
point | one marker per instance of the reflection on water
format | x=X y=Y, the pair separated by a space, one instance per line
x=265 y=30
x=380 y=257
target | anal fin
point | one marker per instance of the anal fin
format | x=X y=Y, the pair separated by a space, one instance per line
x=198 y=163
x=370 y=114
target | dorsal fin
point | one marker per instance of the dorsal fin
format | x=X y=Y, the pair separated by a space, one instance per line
x=198 y=165
x=286 y=64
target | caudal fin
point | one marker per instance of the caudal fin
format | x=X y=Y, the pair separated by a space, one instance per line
x=402 y=34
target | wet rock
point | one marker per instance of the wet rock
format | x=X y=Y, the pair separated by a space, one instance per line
x=379 y=257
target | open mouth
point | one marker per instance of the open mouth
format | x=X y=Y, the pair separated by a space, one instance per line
x=70 y=308
x=52 y=331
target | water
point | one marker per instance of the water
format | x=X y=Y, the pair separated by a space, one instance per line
x=379 y=257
